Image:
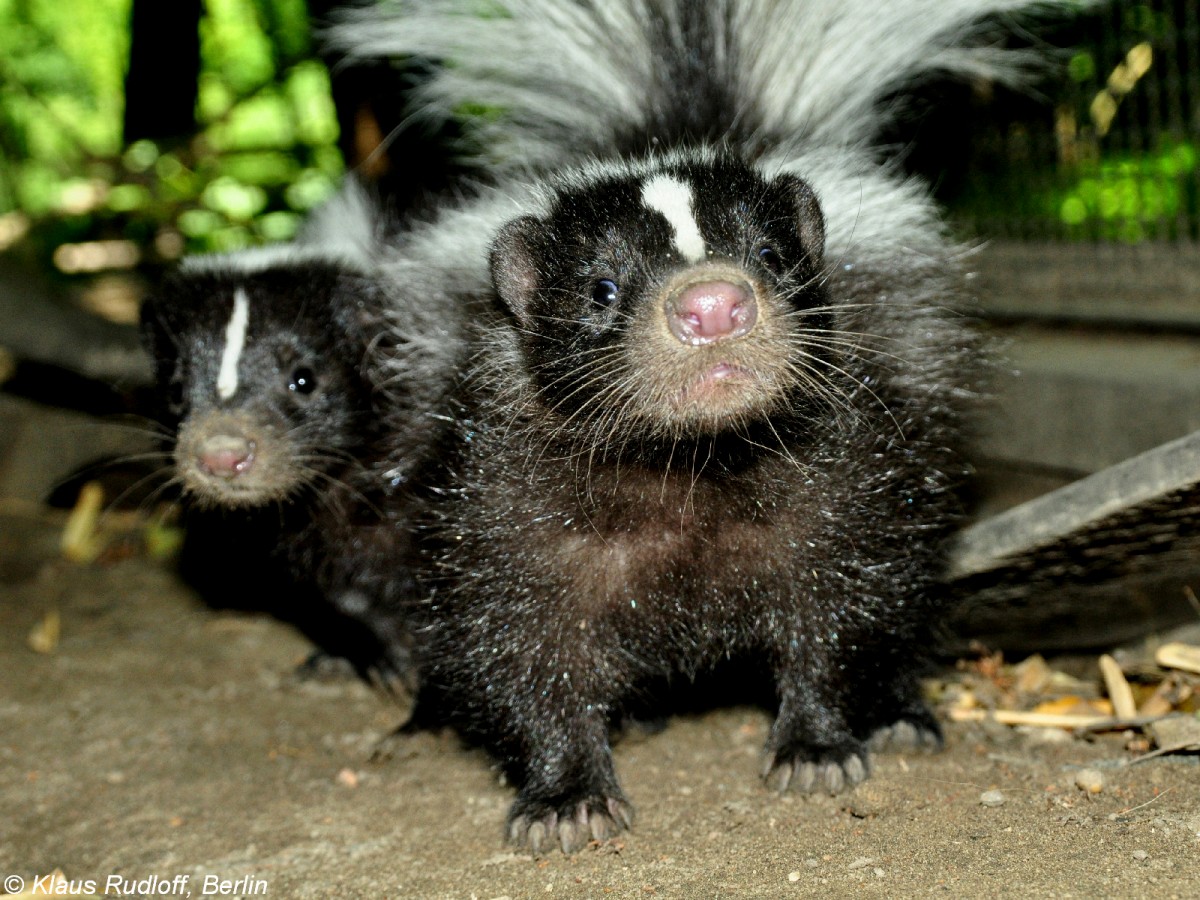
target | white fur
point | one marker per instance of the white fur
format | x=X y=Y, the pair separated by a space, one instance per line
x=251 y=260
x=564 y=75
x=673 y=199
x=235 y=342
x=348 y=226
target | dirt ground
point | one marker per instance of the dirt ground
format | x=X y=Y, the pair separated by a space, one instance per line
x=160 y=739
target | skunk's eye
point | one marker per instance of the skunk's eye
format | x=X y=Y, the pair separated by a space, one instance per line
x=303 y=381
x=769 y=258
x=604 y=292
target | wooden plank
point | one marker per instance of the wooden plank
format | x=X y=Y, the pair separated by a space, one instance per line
x=1149 y=500
x=1103 y=560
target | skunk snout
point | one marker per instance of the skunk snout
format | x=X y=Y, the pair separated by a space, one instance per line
x=225 y=455
x=704 y=312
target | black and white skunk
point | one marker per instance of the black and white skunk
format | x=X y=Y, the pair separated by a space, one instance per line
x=718 y=411
x=303 y=401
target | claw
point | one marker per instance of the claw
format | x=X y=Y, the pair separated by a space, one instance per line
x=805 y=776
x=768 y=764
x=855 y=769
x=621 y=813
x=536 y=836
x=568 y=836
x=778 y=778
x=571 y=827
x=834 y=778
x=904 y=735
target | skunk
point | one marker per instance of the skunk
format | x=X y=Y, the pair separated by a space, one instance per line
x=718 y=409
x=303 y=401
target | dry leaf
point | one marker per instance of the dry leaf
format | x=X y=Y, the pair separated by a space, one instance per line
x=80 y=540
x=44 y=636
x=1178 y=656
x=1032 y=675
x=1118 y=688
x=1075 y=706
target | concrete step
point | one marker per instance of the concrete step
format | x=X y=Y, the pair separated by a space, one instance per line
x=1139 y=285
x=1074 y=401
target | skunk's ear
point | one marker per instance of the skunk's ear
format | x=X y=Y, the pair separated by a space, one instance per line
x=514 y=256
x=810 y=222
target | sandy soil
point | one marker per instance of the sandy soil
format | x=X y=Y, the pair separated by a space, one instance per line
x=163 y=739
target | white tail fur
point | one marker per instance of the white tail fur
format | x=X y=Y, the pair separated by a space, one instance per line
x=563 y=76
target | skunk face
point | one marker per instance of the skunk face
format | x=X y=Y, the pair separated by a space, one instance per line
x=261 y=372
x=681 y=300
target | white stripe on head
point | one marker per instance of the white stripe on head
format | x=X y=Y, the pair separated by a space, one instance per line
x=235 y=341
x=673 y=199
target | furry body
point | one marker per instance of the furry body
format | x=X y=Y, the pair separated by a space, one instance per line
x=606 y=535
x=718 y=410
x=305 y=403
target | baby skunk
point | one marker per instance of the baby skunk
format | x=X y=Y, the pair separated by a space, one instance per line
x=700 y=438
x=719 y=411
x=304 y=401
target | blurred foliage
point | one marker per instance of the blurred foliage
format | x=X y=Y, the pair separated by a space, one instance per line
x=61 y=83
x=1130 y=167
x=1131 y=198
x=1114 y=153
x=1125 y=197
x=1111 y=157
x=264 y=151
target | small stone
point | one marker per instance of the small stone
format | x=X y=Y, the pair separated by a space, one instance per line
x=1035 y=735
x=347 y=778
x=878 y=872
x=811 y=863
x=861 y=863
x=1177 y=732
x=991 y=798
x=1140 y=855
x=793 y=876
x=1090 y=780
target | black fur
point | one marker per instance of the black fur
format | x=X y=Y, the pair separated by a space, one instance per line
x=321 y=518
x=625 y=507
x=623 y=516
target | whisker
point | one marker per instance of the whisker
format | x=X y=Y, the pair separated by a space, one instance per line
x=859 y=385
x=167 y=473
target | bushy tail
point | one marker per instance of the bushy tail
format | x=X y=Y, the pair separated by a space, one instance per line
x=554 y=80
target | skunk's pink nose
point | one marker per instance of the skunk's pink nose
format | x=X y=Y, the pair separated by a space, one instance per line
x=708 y=311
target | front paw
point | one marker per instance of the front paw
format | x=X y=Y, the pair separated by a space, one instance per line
x=811 y=770
x=540 y=826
